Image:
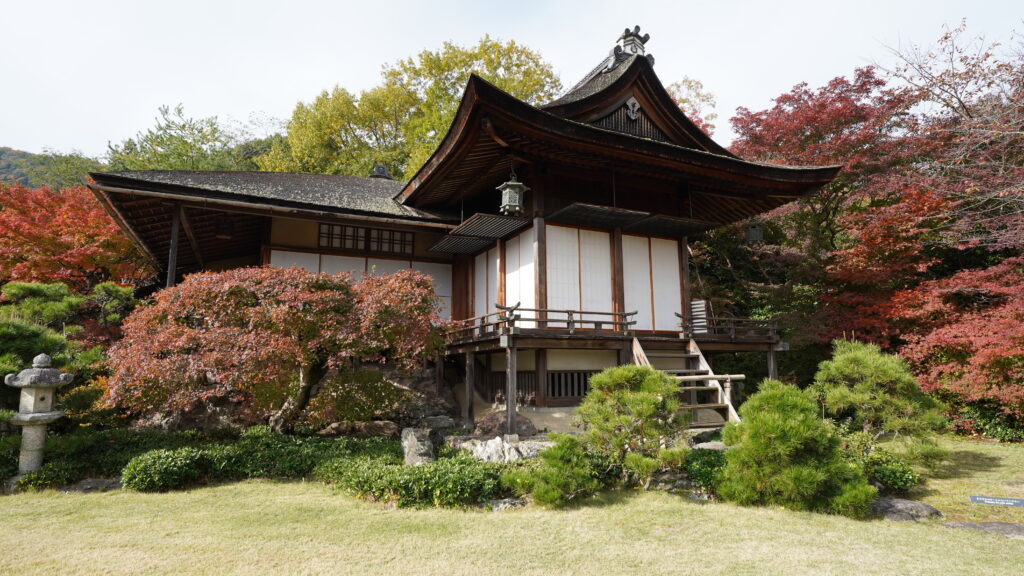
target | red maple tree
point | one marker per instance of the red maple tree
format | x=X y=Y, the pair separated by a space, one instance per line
x=264 y=337
x=969 y=337
x=62 y=236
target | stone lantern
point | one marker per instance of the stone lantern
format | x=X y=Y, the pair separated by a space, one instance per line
x=38 y=386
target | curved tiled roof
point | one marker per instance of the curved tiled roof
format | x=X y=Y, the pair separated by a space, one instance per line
x=330 y=192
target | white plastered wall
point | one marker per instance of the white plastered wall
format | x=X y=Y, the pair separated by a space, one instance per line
x=582 y=359
x=440 y=273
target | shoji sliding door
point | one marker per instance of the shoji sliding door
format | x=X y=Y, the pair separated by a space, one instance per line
x=579 y=272
x=650 y=268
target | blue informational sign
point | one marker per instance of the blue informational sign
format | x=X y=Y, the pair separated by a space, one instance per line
x=997 y=501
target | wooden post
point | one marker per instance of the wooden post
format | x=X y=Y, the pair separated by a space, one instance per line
x=540 y=252
x=618 y=281
x=542 y=377
x=467 y=408
x=625 y=354
x=172 y=256
x=510 y=387
x=684 y=265
x=501 y=273
x=773 y=370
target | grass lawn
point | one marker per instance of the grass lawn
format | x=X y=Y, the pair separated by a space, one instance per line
x=977 y=468
x=307 y=528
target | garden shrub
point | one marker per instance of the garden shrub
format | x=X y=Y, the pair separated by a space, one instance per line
x=632 y=410
x=785 y=455
x=893 y=474
x=703 y=468
x=884 y=469
x=9 y=455
x=451 y=482
x=988 y=421
x=84 y=407
x=256 y=453
x=103 y=454
x=50 y=475
x=159 y=470
x=566 y=472
x=673 y=458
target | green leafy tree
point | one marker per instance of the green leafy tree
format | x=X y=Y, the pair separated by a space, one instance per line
x=57 y=170
x=400 y=122
x=784 y=454
x=695 y=101
x=177 y=142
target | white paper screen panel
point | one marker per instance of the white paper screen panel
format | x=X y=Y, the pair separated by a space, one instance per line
x=331 y=264
x=665 y=272
x=512 y=287
x=563 y=269
x=480 y=284
x=286 y=259
x=519 y=274
x=636 y=272
x=595 y=273
x=441 y=274
x=492 y=279
x=383 y=267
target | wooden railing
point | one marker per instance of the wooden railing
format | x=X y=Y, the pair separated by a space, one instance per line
x=507 y=318
x=731 y=328
x=721 y=382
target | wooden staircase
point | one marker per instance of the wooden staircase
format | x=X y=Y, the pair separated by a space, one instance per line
x=706 y=396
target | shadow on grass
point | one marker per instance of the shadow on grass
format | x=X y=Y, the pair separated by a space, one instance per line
x=966 y=463
x=604 y=498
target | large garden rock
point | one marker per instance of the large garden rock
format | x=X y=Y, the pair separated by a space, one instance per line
x=494 y=425
x=498 y=449
x=384 y=428
x=507 y=504
x=1007 y=529
x=699 y=435
x=438 y=422
x=903 y=510
x=417 y=446
x=716 y=445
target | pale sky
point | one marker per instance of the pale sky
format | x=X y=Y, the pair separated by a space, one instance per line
x=76 y=74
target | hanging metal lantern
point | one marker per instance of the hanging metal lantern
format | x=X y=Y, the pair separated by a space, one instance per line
x=512 y=196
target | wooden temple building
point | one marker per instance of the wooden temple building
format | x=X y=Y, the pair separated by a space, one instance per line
x=556 y=235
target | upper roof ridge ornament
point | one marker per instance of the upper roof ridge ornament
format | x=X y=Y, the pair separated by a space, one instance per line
x=630 y=43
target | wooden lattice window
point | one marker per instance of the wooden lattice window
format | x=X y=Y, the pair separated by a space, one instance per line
x=366 y=239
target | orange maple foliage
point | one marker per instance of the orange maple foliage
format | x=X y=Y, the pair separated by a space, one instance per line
x=63 y=236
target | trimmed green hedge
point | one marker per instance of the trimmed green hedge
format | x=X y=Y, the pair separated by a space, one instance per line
x=454 y=482
x=159 y=470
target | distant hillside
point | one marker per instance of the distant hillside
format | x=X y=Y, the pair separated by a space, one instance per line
x=10 y=170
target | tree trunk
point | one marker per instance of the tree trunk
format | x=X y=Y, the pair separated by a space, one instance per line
x=282 y=420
